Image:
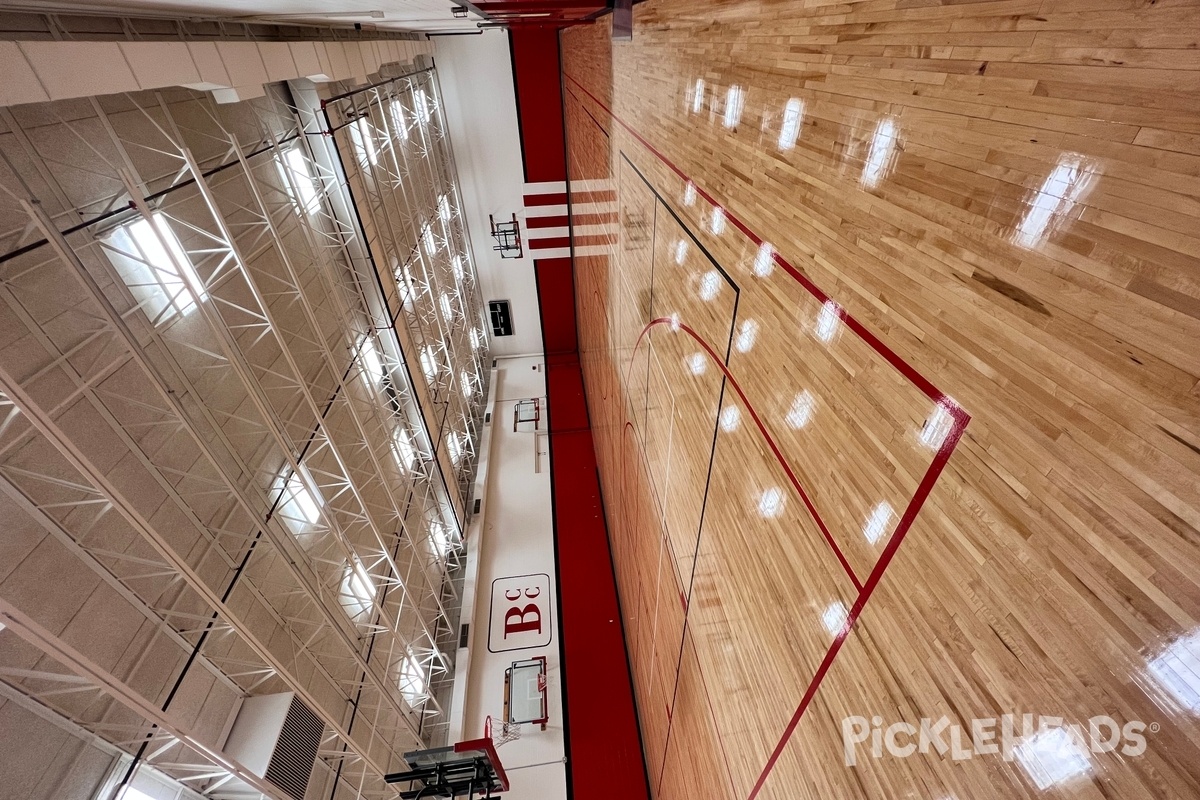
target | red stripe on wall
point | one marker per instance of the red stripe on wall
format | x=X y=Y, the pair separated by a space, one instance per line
x=559 y=199
x=547 y=222
x=550 y=244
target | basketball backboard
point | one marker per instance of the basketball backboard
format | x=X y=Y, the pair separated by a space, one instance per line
x=470 y=769
x=525 y=698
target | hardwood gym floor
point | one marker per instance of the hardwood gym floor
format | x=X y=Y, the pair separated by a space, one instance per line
x=892 y=369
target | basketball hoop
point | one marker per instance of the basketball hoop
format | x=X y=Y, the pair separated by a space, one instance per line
x=503 y=733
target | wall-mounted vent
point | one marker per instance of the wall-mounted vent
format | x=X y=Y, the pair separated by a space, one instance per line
x=464 y=634
x=292 y=763
x=275 y=736
x=487 y=418
x=478 y=503
x=499 y=314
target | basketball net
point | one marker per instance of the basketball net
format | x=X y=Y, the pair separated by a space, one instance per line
x=502 y=732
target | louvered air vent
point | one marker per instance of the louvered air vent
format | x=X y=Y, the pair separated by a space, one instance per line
x=275 y=736
x=292 y=762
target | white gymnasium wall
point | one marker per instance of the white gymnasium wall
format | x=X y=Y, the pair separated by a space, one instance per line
x=481 y=112
x=517 y=540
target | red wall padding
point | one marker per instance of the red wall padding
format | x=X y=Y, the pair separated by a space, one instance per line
x=539 y=102
x=556 y=290
x=605 y=753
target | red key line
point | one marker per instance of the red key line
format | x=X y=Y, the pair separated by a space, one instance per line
x=712 y=354
x=958 y=413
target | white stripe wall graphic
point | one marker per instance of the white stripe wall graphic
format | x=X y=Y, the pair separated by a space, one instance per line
x=547 y=231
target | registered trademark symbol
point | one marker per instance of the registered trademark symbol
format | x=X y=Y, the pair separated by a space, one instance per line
x=1155 y=727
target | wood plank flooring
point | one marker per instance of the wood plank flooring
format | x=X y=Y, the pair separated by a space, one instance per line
x=893 y=372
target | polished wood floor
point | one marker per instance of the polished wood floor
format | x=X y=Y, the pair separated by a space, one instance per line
x=893 y=369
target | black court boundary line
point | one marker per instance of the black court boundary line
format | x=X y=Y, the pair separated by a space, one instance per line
x=711 y=454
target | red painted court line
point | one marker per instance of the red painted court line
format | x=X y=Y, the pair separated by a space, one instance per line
x=910 y=372
x=959 y=414
x=889 y=552
x=812 y=509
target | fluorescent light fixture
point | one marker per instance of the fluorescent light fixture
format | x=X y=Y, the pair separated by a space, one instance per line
x=828 y=321
x=405 y=279
x=879 y=523
x=412 y=682
x=421 y=104
x=429 y=364
x=439 y=535
x=404 y=451
x=454 y=445
x=834 y=617
x=1177 y=671
x=698 y=96
x=793 y=118
x=689 y=194
x=363 y=139
x=358 y=591
x=1052 y=757
x=770 y=504
x=477 y=338
x=696 y=363
x=764 y=260
x=880 y=157
x=428 y=239
x=1059 y=193
x=370 y=361
x=298 y=507
x=746 y=335
x=447 y=306
x=444 y=208
x=937 y=427
x=154 y=265
x=468 y=386
x=398 y=120
x=735 y=101
x=710 y=285
x=730 y=418
x=718 y=220
x=301 y=188
x=681 y=248
x=456 y=264
x=800 y=411
x=130 y=793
